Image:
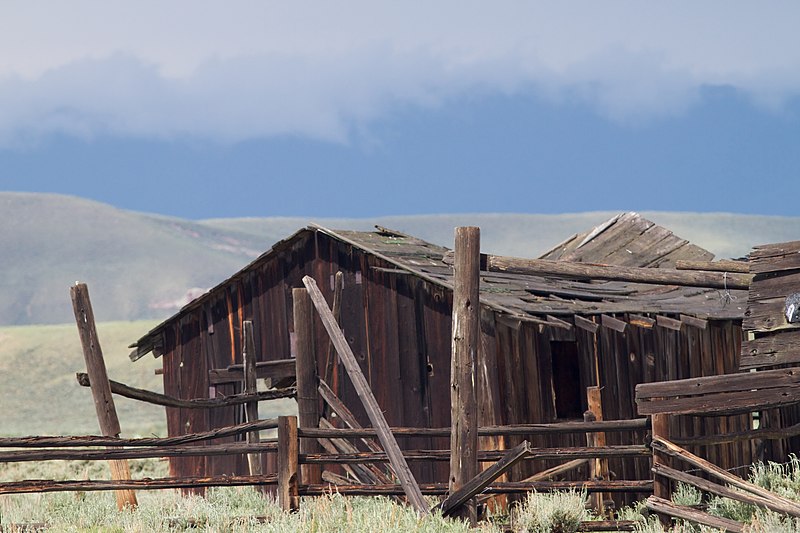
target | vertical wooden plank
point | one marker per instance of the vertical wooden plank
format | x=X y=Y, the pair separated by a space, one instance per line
x=307 y=379
x=288 y=493
x=101 y=389
x=661 y=485
x=598 y=468
x=466 y=334
x=251 y=408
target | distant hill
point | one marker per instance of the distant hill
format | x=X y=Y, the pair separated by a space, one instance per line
x=145 y=266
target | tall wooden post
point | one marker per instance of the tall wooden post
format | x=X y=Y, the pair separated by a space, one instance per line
x=661 y=484
x=598 y=468
x=288 y=495
x=307 y=379
x=101 y=389
x=250 y=386
x=466 y=336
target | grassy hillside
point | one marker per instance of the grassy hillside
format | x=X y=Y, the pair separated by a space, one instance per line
x=143 y=266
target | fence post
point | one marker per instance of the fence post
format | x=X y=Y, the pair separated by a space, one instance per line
x=598 y=468
x=307 y=379
x=288 y=490
x=661 y=484
x=254 y=460
x=100 y=386
x=466 y=335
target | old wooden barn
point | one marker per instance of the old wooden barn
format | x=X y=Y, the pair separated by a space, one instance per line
x=544 y=340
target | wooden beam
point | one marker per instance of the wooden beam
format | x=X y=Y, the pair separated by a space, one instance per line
x=699 y=323
x=666 y=507
x=615 y=324
x=661 y=485
x=667 y=447
x=598 y=468
x=330 y=359
x=163 y=400
x=463 y=357
x=586 y=324
x=143 y=452
x=307 y=379
x=45 y=485
x=742 y=267
x=668 y=323
x=585 y=271
x=371 y=406
x=344 y=414
x=550 y=473
x=274 y=370
x=288 y=494
x=250 y=387
x=458 y=498
x=101 y=389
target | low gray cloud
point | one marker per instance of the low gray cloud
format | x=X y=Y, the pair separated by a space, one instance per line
x=320 y=70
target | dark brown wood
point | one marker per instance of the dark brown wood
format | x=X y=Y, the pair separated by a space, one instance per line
x=307 y=379
x=629 y=450
x=666 y=507
x=367 y=473
x=768 y=379
x=288 y=495
x=723 y=265
x=133 y=453
x=270 y=370
x=584 y=271
x=374 y=412
x=458 y=498
x=94 y=440
x=668 y=323
x=250 y=387
x=338 y=288
x=641 y=321
x=725 y=492
x=463 y=357
x=598 y=468
x=779 y=348
x=694 y=322
x=344 y=414
x=101 y=389
x=357 y=473
x=163 y=400
x=666 y=447
x=723 y=403
x=586 y=324
x=40 y=485
x=550 y=473
x=523 y=430
x=613 y=323
x=511 y=487
x=739 y=436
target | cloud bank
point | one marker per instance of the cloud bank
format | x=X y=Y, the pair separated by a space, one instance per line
x=241 y=70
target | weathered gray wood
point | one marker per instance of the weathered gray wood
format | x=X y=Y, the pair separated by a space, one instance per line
x=272 y=370
x=668 y=323
x=40 y=485
x=163 y=400
x=699 y=323
x=550 y=473
x=661 y=485
x=664 y=276
x=779 y=348
x=101 y=389
x=288 y=483
x=463 y=358
x=307 y=378
x=769 y=379
x=375 y=475
x=344 y=414
x=667 y=447
x=613 y=323
x=723 y=403
x=629 y=450
x=586 y=324
x=666 y=507
x=511 y=487
x=493 y=431
x=95 y=440
x=110 y=454
x=338 y=289
x=725 y=492
x=723 y=265
x=468 y=490
x=608 y=525
x=250 y=387
x=374 y=412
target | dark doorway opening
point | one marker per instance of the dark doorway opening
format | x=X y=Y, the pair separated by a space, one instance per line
x=567 y=385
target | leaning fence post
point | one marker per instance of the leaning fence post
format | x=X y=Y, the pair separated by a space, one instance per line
x=307 y=379
x=100 y=386
x=466 y=335
x=288 y=489
x=661 y=484
x=598 y=468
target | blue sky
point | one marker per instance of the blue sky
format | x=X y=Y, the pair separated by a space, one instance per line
x=201 y=110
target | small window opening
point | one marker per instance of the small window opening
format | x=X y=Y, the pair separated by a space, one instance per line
x=567 y=385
